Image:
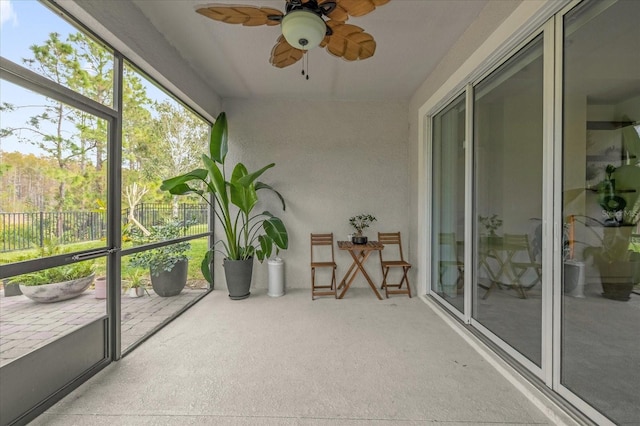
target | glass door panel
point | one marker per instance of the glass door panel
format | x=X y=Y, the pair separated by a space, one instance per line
x=53 y=195
x=160 y=139
x=448 y=203
x=601 y=207
x=508 y=136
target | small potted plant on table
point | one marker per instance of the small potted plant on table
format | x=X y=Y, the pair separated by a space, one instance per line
x=360 y=223
x=491 y=224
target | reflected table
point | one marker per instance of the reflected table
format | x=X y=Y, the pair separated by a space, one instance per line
x=495 y=257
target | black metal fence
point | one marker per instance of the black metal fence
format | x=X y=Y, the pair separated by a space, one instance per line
x=22 y=231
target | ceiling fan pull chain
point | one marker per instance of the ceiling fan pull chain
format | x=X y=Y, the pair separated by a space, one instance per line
x=305 y=65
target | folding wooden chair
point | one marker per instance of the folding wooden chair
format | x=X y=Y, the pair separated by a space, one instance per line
x=390 y=239
x=319 y=240
x=522 y=259
x=450 y=257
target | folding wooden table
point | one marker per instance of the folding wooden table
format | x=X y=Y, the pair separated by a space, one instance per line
x=360 y=253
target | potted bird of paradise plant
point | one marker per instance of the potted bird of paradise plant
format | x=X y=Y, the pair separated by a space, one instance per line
x=233 y=199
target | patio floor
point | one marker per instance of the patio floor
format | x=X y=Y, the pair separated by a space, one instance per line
x=26 y=325
x=294 y=361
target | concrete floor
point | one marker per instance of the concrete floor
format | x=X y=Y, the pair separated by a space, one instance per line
x=292 y=361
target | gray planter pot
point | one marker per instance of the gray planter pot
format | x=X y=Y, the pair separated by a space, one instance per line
x=238 y=276
x=55 y=292
x=171 y=283
x=617 y=279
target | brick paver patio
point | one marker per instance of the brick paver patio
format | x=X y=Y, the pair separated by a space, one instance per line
x=26 y=325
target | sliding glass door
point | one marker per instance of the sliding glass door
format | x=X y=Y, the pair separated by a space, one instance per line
x=508 y=137
x=601 y=207
x=447 y=267
x=554 y=260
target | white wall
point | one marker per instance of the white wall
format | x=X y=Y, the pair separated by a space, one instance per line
x=333 y=160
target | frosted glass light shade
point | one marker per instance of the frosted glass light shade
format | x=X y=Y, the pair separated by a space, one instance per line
x=303 y=30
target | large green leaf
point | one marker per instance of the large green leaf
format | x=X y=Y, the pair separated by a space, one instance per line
x=218 y=144
x=205 y=266
x=261 y=185
x=239 y=171
x=249 y=178
x=184 y=189
x=266 y=246
x=216 y=180
x=244 y=197
x=197 y=174
x=276 y=230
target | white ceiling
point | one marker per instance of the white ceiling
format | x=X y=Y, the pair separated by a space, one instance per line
x=412 y=37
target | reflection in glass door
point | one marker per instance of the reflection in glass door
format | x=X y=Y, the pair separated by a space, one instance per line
x=508 y=132
x=601 y=207
x=448 y=203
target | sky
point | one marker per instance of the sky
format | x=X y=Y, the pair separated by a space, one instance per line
x=24 y=23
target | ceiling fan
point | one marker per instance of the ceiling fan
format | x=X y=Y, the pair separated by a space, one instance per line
x=304 y=27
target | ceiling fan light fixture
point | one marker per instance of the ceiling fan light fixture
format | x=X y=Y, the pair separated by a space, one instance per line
x=303 y=30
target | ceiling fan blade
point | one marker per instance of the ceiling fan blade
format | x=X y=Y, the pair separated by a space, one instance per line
x=338 y=14
x=249 y=16
x=346 y=8
x=283 y=54
x=349 y=42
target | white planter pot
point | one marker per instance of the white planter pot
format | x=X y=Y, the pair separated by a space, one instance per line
x=101 y=288
x=136 y=292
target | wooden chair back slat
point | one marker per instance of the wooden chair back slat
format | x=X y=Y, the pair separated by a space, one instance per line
x=321 y=239
x=391 y=238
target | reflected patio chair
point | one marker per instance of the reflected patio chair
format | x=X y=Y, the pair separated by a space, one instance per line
x=521 y=259
x=450 y=257
x=389 y=239
x=322 y=257
x=491 y=262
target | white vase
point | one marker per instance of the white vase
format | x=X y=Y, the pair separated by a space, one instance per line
x=101 y=288
x=136 y=291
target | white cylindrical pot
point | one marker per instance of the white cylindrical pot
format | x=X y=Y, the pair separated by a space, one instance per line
x=574 y=278
x=276 y=277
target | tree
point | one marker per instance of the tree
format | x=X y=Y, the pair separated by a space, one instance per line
x=182 y=136
x=48 y=129
x=134 y=195
x=25 y=186
x=96 y=62
x=137 y=125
